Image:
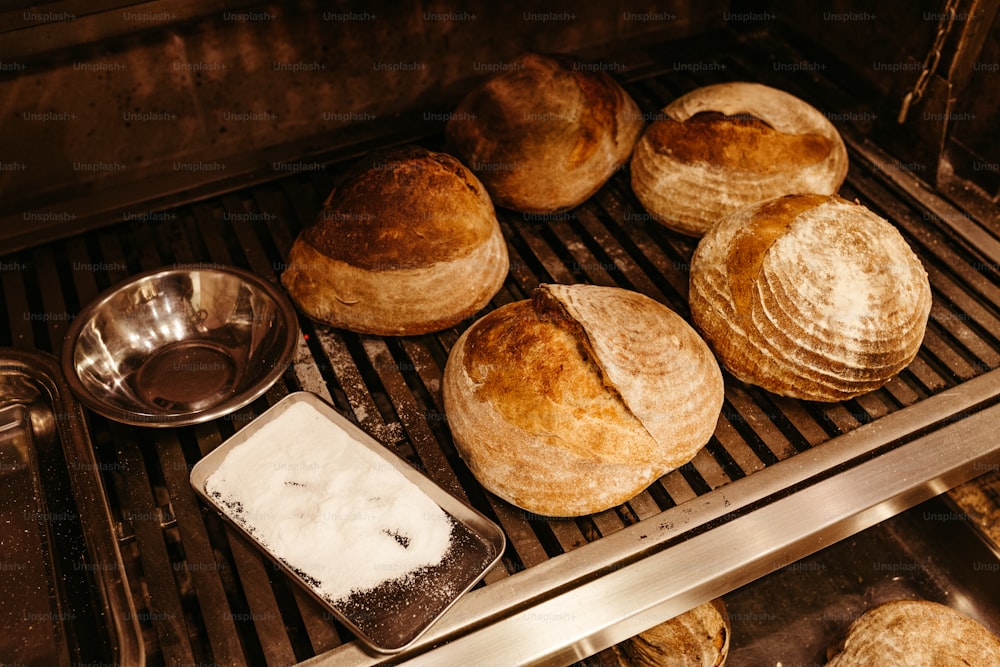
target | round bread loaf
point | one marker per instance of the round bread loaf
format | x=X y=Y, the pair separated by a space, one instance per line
x=575 y=400
x=546 y=133
x=809 y=296
x=407 y=243
x=720 y=148
x=696 y=638
x=916 y=633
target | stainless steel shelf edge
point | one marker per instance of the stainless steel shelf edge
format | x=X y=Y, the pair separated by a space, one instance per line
x=864 y=152
x=601 y=613
x=746 y=529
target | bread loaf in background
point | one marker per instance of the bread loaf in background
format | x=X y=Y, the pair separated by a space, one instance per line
x=575 y=400
x=722 y=147
x=809 y=296
x=545 y=134
x=697 y=638
x=916 y=633
x=407 y=243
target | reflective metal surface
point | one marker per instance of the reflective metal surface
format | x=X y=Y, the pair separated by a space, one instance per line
x=66 y=600
x=579 y=603
x=179 y=346
x=393 y=615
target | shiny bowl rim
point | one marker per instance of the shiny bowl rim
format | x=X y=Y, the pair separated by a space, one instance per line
x=284 y=306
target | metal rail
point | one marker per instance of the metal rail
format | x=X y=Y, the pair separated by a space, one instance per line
x=582 y=602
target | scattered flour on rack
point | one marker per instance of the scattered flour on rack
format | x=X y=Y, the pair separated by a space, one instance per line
x=329 y=507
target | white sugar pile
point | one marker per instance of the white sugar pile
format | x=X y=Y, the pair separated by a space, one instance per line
x=328 y=506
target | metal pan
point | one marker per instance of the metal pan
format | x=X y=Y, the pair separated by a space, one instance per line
x=61 y=576
x=391 y=616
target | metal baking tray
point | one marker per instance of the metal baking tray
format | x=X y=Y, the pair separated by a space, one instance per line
x=61 y=574
x=931 y=552
x=393 y=615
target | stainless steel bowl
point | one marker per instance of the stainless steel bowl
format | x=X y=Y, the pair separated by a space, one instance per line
x=179 y=346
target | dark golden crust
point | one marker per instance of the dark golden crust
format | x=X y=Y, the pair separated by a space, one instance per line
x=574 y=401
x=562 y=371
x=402 y=209
x=604 y=99
x=726 y=146
x=738 y=143
x=545 y=134
x=407 y=243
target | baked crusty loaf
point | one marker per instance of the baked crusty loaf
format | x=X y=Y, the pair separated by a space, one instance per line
x=545 y=134
x=407 y=243
x=809 y=296
x=916 y=633
x=575 y=400
x=723 y=147
x=696 y=638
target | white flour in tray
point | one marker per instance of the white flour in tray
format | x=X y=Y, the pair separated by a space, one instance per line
x=329 y=507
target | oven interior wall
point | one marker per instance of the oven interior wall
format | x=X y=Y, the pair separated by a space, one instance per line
x=114 y=110
x=97 y=131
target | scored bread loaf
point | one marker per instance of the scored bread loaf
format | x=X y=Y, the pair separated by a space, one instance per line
x=723 y=147
x=809 y=296
x=545 y=134
x=696 y=638
x=575 y=400
x=407 y=243
x=916 y=633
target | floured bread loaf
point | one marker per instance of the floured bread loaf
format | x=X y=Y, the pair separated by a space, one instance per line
x=809 y=296
x=916 y=633
x=575 y=400
x=407 y=243
x=546 y=133
x=723 y=147
x=697 y=638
